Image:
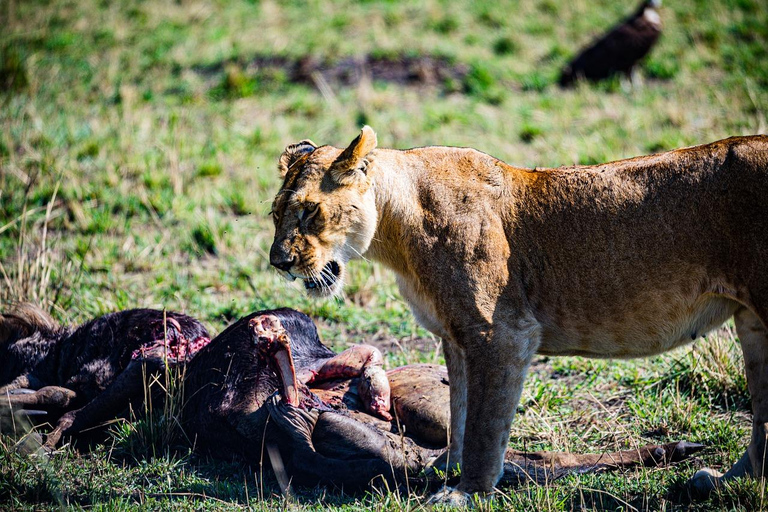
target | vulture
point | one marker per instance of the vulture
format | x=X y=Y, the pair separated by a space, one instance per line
x=619 y=50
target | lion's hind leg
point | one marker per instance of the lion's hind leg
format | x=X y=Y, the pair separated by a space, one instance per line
x=753 y=336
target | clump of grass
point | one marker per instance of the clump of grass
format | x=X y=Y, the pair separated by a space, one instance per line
x=209 y=169
x=504 y=46
x=661 y=69
x=481 y=83
x=23 y=478
x=237 y=203
x=715 y=369
x=234 y=83
x=89 y=150
x=203 y=240
x=156 y=430
x=237 y=82
x=529 y=132
x=445 y=25
x=490 y=17
x=479 y=80
x=13 y=70
x=536 y=81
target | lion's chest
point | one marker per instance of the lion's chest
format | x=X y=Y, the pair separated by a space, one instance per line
x=637 y=332
x=422 y=307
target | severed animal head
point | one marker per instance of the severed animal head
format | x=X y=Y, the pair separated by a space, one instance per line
x=324 y=213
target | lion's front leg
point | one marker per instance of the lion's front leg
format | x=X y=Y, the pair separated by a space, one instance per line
x=753 y=337
x=494 y=385
x=494 y=366
x=450 y=460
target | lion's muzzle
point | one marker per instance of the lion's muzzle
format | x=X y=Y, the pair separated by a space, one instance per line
x=280 y=258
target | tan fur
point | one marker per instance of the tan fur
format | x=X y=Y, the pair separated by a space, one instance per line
x=22 y=319
x=625 y=259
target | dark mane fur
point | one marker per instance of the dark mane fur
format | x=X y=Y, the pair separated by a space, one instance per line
x=23 y=319
x=27 y=335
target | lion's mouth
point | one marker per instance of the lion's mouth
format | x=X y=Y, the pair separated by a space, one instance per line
x=326 y=278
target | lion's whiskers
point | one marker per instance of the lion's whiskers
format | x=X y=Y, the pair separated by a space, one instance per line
x=357 y=252
x=373 y=238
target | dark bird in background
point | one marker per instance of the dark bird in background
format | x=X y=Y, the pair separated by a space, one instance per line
x=619 y=50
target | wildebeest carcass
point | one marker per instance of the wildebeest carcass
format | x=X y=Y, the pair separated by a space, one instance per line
x=82 y=376
x=229 y=382
x=618 y=51
x=268 y=385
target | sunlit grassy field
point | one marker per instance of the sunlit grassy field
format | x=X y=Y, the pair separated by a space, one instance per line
x=138 y=151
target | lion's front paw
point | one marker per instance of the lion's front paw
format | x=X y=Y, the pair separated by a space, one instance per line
x=455 y=498
x=450 y=497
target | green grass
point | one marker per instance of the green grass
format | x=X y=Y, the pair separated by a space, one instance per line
x=143 y=139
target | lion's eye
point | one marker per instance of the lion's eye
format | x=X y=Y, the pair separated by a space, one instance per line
x=307 y=213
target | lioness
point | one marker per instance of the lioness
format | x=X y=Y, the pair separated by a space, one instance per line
x=625 y=259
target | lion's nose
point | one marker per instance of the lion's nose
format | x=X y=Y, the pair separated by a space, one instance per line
x=282 y=261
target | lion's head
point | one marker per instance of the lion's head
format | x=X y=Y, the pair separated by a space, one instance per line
x=324 y=213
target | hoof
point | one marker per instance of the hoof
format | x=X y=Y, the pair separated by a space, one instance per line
x=684 y=450
x=704 y=481
x=297 y=422
x=450 y=497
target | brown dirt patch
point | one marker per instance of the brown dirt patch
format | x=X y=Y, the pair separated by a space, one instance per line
x=408 y=70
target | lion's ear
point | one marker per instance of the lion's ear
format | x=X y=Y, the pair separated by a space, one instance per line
x=351 y=165
x=292 y=153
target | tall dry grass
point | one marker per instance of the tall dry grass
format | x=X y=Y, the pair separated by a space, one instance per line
x=38 y=272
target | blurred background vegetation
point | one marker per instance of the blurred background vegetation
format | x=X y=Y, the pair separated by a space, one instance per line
x=138 y=146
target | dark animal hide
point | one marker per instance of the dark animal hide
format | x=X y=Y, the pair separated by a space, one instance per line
x=228 y=383
x=90 y=372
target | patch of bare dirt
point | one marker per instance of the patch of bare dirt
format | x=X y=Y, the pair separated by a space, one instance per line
x=409 y=70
